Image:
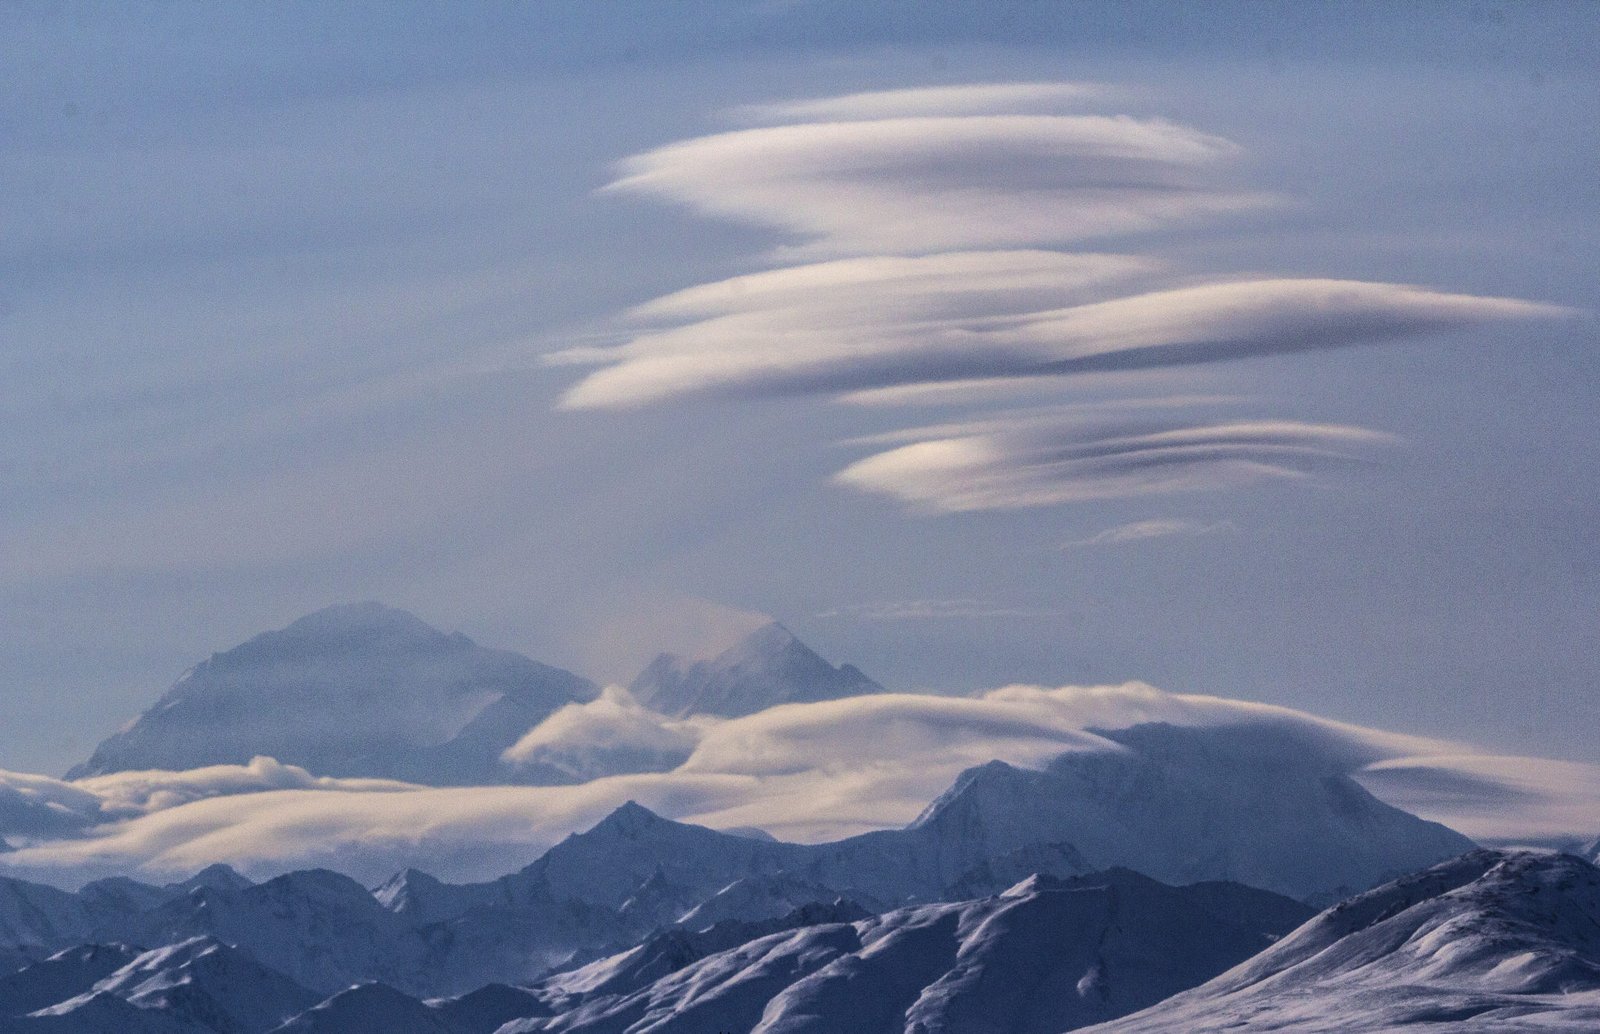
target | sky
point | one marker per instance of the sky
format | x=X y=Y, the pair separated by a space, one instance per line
x=1243 y=350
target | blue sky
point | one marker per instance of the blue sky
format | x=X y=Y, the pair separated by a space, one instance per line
x=276 y=288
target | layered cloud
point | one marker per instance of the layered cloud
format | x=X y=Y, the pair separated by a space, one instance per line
x=966 y=99
x=1028 y=462
x=834 y=337
x=940 y=182
x=951 y=204
x=805 y=772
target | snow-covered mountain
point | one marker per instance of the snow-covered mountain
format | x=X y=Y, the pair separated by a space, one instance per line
x=321 y=929
x=67 y=974
x=766 y=668
x=353 y=690
x=371 y=1008
x=207 y=983
x=649 y=871
x=1046 y=956
x=1265 y=805
x=1257 y=805
x=1491 y=941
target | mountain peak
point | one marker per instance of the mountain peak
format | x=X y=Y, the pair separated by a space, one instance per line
x=628 y=819
x=366 y=617
x=357 y=689
x=768 y=667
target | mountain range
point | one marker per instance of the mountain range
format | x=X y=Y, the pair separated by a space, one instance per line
x=1154 y=877
x=1488 y=941
x=367 y=690
x=1491 y=941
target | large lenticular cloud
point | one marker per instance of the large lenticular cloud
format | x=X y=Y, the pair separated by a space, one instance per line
x=942 y=211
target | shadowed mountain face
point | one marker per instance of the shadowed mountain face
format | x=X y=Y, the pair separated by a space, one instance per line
x=1265 y=805
x=766 y=668
x=1046 y=956
x=1491 y=941
x=353 y=690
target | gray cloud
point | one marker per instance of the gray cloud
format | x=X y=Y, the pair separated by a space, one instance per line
x=1037 y=463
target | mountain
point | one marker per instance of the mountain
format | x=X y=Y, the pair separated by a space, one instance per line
x=66 y=974
x=1491 y=941
x=1047 y=956
x=766 y=668
x=34 y=915
x=210 y=984
x=1261 y=804
x=353 y=690
x=650 y=871
x=320 y=929
x=370 y=1008
x=100 y=1014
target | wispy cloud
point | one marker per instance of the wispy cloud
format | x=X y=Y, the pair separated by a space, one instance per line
x=935 y=327
x=1033 y=465
x=1142 y=531
x=927 y=610
x=963 y=99
x=935 y=183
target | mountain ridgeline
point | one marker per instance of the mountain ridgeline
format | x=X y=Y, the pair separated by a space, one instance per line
x=1488 y=941
x=766 y=668
x=367 y=690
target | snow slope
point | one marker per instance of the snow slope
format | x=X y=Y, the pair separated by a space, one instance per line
x=767 y=668
x=1046 y=956
x=353 y=690
x=371 y=1008
x=66 y=974
x=1491 y=941
x=1265 y=805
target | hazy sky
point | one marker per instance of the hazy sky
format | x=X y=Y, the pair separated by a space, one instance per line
x=1283 y=315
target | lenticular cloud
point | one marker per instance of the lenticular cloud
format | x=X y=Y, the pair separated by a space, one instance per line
x=941 y=213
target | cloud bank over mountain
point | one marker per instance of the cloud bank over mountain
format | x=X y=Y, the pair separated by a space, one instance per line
x=808 y=772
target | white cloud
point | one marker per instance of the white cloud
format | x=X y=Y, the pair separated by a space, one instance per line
x=800 y=331
x=923 y=610
x=920 y=184
x=1157 y=528
x=139 y=792
x=806 y=772
x=1035 y=464
x=1494 y=797
x=612 y=733
x=962 y=99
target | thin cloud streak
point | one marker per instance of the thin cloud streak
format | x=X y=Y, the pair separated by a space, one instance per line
x=800 y=350
x=934 y=610
x=964 y=99
x=1031 y=465
x=1144 y=531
